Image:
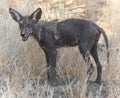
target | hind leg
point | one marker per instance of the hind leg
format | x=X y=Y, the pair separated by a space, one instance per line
x=99 y=66
x=85 y=51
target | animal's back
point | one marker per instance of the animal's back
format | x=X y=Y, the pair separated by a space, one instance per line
x=76 y=25
x=72 y=31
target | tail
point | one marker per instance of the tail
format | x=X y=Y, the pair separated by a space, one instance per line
x=106 y=42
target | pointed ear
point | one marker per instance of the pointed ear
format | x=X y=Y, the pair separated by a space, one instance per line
x=36 y=15
x=15 y=15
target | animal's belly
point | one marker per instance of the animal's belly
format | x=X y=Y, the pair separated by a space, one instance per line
x=66 y=43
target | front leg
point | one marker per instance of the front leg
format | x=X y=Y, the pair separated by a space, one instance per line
x=50 y=51
x=48 y=63
x=52 y=67
x=51 y=64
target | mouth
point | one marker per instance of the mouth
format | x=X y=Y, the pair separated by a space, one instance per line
x=24 y=38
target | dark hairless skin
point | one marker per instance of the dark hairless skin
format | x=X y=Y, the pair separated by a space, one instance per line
x=53 y=34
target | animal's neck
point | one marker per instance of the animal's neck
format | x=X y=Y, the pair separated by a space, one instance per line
x=36 y=32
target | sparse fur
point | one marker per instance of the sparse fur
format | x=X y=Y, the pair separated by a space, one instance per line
x=53 y=34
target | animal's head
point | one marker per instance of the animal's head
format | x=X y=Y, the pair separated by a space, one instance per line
x=26 y=23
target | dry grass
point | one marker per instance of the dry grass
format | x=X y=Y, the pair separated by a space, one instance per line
x=22 y=64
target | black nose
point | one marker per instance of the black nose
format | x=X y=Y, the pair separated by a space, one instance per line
x=22 y=34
